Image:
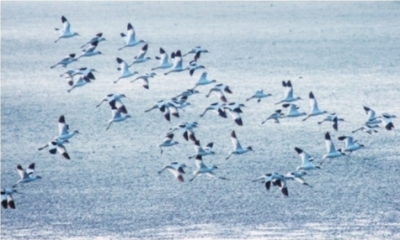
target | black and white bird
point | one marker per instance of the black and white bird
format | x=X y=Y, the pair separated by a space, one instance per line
x=141 y=57
x=7 y=200
x=350 y=144
x=187 y=129
x=276 y=179
x=195 y=50
x=99 y=38
x=83 y=71
x=203 y=169
x=82 y=81
x=332 y=152
x=259 y=95
x=207 y=150
x=55 y=146
x=63 y=130
x=330 y=118
x=168 y=141
x=117 y=98
x=193 y=65
x=145 y=78
x=219 y=89
x=306 y=160
x=275 y=116
x=67 y=60
x=178 y=64
x=203 y=80
x=297 y=176
x=130 y=38
x=218 y=108
x=164 y=60
x=116 y=114
x=234 y=110
x=177 y=169
x=387 y=122
x=237 y=148
x=372 y=118
x=90 y=51
x=288 y=93
x=293 y=110
x=124 y=70
x=65 y=32
x=26 y=176
x=367 y=128
x=314 y=107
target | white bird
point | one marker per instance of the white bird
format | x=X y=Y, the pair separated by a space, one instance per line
x=306 y=160
x=367 y=128
x=207 y=150
x=259 y=95
x=168 y=141
x=187 y=129
x=276 y=179
x=234 y=111
x=63 y=130
x=145 y=77
x=82 y=81
x=177 y=169
x=203 y=80
x=387 y=122
x=55 y=146
x=65 y=32
x=26 y=176
x=203 y=169
x=99 y=38
x=67 y=60
x=193 y=66
x=187 y=93
x=275 y=116
x=116 y=114
x=164 y=107
x=330 y=118
x=164 y=60
x=314 y=107
x=217 y=107
x=179 y=103
x=196 y=50
x=331 y=150
x=116 y=98
x=237 y=148
x=350 y=145
x=84 y=71
x=220 y=89
x=293 y=110
x=140 y=58
x=288 y=93
x=90 y=51
x=7 y=200
x=178 y=65
x=298 y=176
x=124 y=70
x=130 y=37
x=372 y=119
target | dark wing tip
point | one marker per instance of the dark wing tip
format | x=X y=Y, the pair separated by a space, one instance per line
x=298 y=150
x=389 y=126
x=327 y=136
x=311 y=95
x=99 y=34
x=63 y=19
x=233 y=134
x=129 y=26
x=162 y=51
x=119 y=60
x=239 y=121
x=61 y=119
x=285 y=191
x=178 y=53
x=65 y=155
x=341 y=138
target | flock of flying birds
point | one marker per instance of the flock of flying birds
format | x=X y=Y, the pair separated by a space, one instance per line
x=173 y=64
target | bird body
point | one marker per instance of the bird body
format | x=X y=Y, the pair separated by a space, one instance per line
x=259 y=95
x=26 y=176
x=124 y=70
x=65 y=32
x=237 y=148
x=130 y=37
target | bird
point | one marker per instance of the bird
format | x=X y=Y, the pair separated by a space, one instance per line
x=67 y=60
x=99 y=38
x=203 y=80
x=298 y=176
x=130 y=38
x=187 y=93
x=63 y=130
x=387 y=122
x=293 y=110
x=89 y=52
x=116 y=114
x=202 y=151
x=84 y=71
x=117 y=98
x=26 y=176
x=187 y=129
x=177 y=169
x=7 y=201
x=367 y=128
x=335 y=124
x=350 y=144
x=306 y=160
x=275 y=116
x=168 y=141
x=180 y=102
x=164 y=60
x=177 y=65
x=288 y=93
x=259 y=95
x=217 y=107
x=331 y=150
x=330 y=118
x=203 y=169
x=145 y=77
x=237 y=148
x=82 y=81
x=314 y=107
x=164 y=107
x=234 y=110
x=65 y=32
x=55 y=146
x=220 y=88
x=276 y=179
x=372 y=119
x=140 y=58
x=124 y=70
x=195 y=50
x=193 y=66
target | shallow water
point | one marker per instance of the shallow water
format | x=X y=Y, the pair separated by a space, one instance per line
x=347 y=53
